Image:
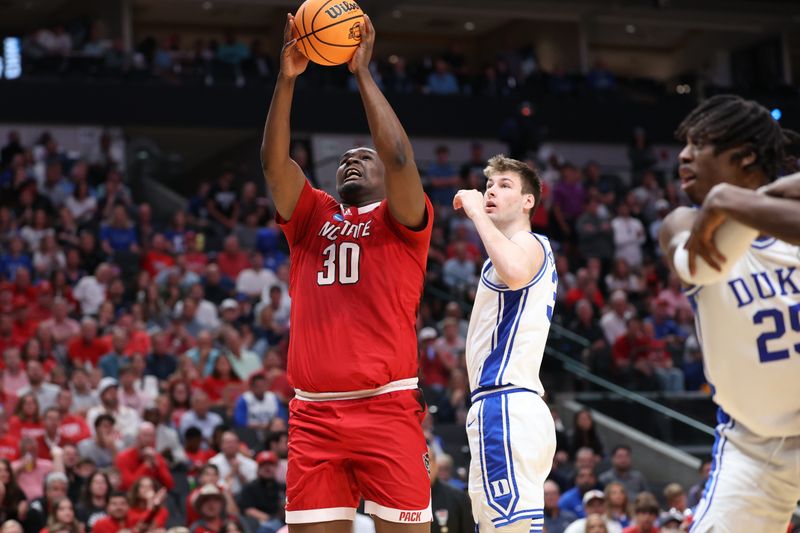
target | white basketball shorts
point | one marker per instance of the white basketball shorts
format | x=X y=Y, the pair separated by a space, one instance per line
x=512 y=441
x=754 y=483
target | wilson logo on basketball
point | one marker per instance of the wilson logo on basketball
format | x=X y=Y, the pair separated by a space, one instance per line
x=338 y=9
x=355 y=32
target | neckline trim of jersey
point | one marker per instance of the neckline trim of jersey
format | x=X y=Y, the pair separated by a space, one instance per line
x=363 y=209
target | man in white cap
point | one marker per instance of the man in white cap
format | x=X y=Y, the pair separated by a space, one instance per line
x=127 y=419
x=594 y=502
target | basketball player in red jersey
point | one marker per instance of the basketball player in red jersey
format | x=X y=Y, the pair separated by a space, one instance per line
x=357 y=269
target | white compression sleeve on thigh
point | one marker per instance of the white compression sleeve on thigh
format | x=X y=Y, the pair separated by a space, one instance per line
x=732 y=239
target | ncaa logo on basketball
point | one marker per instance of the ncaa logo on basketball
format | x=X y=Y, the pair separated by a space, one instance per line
x=355 y=32
x=338 y=9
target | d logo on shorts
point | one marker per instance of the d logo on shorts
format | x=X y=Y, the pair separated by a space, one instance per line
x=501 y=488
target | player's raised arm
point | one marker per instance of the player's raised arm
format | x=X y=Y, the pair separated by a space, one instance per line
x=517 y=258
x=284 y=177
x=404 y=192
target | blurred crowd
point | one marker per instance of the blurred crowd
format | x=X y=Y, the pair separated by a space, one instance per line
x=85 y=50
x=143 y=360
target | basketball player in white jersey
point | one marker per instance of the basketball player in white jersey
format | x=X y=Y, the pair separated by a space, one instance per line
x=739 y=258
x=510 y=429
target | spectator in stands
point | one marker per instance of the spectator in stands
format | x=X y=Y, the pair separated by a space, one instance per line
x=209 y=504
x=641 y=154
x=459 y=271
x=222 y=203
x=216 y=287
x=585 y=434
x=160 y=362
x=600 y=78
x=568 y=200
x=595 y=236
x=451 y=506
x=126 y=419
x=143 y=460
x=200 y=416
x=168 y=443
x=103 y=448
x=90 y=291
x=245 y=362
x=51 y=437
x=617 y=504
x=621 y=278
x=117 y=514
x=443 y=178
x=696 y=490
x=256 y=407
x=633 y=357
x=81 y=205
x=14 y=258
x=614 y=321
x=63 y=518
x=235 y=468
x=209 y=474
x=94 y=499
x=621 y=471
x=13 y=502
x=556 y=520
x=253 y=281
x=83 y=397
x=262 y=498
x=60 y=324
x=42 y=505
x=232 y=260
x=119 y=235
x=594 y=505
x=675 y=497
x=597 y=356
x=14 y=376
x=45 y=392
x=441 y=81
x=146 y=498
x=572 y=500
x=629 y=236
x=112 y=361
x=11 y=526
x=435 y=363
x=645 y=513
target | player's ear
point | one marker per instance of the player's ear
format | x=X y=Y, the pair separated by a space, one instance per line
x=529 y=201
x=748 y=159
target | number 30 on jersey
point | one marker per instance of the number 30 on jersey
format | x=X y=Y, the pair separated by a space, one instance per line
x=340 y=263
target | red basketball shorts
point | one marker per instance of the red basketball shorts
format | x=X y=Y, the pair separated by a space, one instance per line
x=343 y=450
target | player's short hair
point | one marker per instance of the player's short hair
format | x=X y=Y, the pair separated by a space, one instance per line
x=531 y=182
x=728 y=121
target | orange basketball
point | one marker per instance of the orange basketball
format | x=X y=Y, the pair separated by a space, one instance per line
x=327 y=31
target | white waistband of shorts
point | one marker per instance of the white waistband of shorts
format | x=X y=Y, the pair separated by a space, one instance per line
x=394 y=386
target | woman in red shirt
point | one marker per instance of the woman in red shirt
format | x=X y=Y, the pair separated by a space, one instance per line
x=145 y=500
x=26 y=421
x=221 y=377
x=179 y=399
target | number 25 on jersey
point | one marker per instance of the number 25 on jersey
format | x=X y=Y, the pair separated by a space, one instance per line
x=340 y=263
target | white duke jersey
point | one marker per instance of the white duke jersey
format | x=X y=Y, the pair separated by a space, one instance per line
x=508 y=328
x=749 y=328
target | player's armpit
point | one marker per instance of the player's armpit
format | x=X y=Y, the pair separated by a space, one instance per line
x=521 y=261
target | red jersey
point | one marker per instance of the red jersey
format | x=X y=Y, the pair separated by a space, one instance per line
x=355 y=282
x=74 y=429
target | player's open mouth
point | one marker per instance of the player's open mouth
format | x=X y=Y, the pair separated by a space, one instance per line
x=351 y=174
x=490 y=204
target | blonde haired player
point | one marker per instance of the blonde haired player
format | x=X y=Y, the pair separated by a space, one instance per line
x=510 y=429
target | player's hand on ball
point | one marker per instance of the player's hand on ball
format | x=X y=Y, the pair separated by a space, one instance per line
x=470 y=200
x=293 y=63
x=359 y=63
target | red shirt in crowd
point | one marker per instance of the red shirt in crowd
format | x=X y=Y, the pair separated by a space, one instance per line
x=355 y=282
x=155 y=261
x=109 y=525
x=196 y=262
x=131 y=467
x=215 y=387
x=214 y=526
x=230 y=264
x=74 y=429
x=198 y=459
x=9 y=447
x=23 y=428
x=82 y=351
x=137 y=515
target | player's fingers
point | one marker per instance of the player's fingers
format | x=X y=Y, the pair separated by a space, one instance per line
x=368 y=26
x=287 y=30
x=692 y=258
x=708 y=255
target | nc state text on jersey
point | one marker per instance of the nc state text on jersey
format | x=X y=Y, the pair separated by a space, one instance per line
x=346 y=229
